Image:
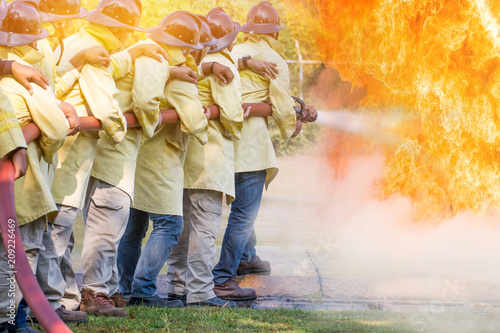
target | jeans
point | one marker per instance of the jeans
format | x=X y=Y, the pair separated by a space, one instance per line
x=129 y=249
x=249 y=253
x=238 y=236
x=166 y=232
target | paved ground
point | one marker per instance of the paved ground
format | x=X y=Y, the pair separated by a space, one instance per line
x=334 y=244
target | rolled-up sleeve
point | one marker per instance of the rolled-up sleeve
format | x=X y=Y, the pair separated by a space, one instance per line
x=184 y=98
x=148 y=91
x=53 y=125
x=99 y=89
x=282 y=102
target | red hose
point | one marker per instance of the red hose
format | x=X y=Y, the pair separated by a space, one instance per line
x=24 y=275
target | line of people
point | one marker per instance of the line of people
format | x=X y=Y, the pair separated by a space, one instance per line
x=175 y=175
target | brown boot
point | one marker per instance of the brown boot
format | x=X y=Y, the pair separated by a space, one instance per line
x=118 y=299
x=254 y=266
x=231 y=291
x=99 y=304
x=71 y=316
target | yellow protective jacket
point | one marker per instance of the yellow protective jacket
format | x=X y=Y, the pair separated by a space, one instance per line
x=159 y=179
x=211 y=166
x=255 y=150
x=94 y=94
x=140 y=93
x=68 y=74
x=32 y=192
x=11 y=135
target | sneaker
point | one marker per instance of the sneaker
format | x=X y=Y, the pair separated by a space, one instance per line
x=99 y=304
x=230 y=290
x=118 y=299
x=156 y=301
x=254 y=266
x=215 y=302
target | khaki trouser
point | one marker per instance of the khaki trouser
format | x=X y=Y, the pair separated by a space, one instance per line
x=55 y=272
x=191 y=261
x=10 y=294
x=106 y=214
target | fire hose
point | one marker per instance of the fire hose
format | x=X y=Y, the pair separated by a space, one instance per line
x=11 y=237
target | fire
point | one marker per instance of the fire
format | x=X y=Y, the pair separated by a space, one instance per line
x=438 y=62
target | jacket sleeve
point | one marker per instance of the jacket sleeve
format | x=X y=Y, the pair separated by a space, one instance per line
x=99 y=89
x=121 y=64
x=228 y=98
x=66 y=76
x=11 y=136
x=183 y=96
x=148 y=91
x=45 y=113
x=282 y=102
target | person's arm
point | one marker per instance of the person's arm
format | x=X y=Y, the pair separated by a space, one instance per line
x=183 y=96
x=69 y=72
x=262 y=67
x=26 y=74
x=223 y=73
x=121 y=62
x=46 y=114
x=99 y=89
x=228 y=98
x=282 y=103
x=12 y=143
x=182 y=73
x=148 y=89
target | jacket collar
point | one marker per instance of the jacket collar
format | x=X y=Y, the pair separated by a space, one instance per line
x=103 y=36
x=258 y=38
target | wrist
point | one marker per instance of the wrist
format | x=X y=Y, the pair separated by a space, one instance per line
x=245 y=60
x=212 y=66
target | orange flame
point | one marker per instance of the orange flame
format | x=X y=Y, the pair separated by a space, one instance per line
x=436 y=59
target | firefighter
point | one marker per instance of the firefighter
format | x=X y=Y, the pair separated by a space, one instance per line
x=19 y=31
x=159 y=180
x=94 y=93
x=208 y=170
x=61 y=288
x=255 y=159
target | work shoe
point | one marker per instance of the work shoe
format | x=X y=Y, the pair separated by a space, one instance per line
x=215 y=302
x=118 y=299
x=254 y=266
x=71 y=316
x=99 y=304
x=173 y=297
x=155 y=301
x=230 y=290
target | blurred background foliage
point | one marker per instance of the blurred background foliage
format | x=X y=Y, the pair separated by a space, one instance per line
x=297 y=27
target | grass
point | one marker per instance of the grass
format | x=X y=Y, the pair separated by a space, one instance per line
x=148 y=320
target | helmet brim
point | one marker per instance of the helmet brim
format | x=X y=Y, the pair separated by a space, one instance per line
x=225 y=41
x=210 y=42
x=48 y=18
x=14 y=39
x=95 y=16
x=260 y=28
x=160 y=36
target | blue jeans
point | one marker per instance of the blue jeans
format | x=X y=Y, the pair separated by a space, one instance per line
x=166 y=232
x=129 y=249
x=238 y=237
